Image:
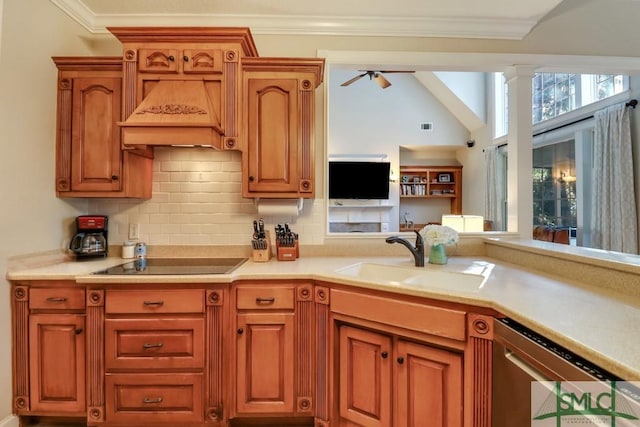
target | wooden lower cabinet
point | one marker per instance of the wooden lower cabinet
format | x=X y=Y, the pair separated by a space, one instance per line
x=264 y=379
x=381 y=375
x=365 y=372
x=274 y=358
x=259 y=352
x=154 y=398
x=429 y=386
x=57 y=363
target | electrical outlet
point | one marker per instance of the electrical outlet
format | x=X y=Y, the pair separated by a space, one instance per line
x=134 y=231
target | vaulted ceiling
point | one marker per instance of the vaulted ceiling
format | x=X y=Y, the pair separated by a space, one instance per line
x=492 y=19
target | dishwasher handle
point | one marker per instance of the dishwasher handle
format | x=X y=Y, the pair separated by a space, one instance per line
x=526 y=367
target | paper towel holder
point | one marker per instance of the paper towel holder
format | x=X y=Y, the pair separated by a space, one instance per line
x=256 y=202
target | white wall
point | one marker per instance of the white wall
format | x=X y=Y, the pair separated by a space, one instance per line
x=31 y=218
x=469 y=87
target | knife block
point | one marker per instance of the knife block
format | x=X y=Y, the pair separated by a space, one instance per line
x=263 y=255
x=287 y=253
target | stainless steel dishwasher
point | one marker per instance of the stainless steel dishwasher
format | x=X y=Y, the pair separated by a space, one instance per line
x=521 y=356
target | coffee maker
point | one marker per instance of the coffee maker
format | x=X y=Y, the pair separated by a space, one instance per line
x=90 y=240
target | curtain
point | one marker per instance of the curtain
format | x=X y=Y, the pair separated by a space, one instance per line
x=496 y=186
x=613 y=208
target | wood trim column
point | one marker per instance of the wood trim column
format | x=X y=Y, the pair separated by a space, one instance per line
x=478 y=371
x=304 y=350
x=20 y=341
x=232 y=89
x=95 y=357
x=214 y=356
x=307 y=137
x=63 y=136
x=322 y=327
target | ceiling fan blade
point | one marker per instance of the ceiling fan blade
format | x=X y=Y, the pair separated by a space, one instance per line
x=396 y=71
x=382 y=82
x=356 y=78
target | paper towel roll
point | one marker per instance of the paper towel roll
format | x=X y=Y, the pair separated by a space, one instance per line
x=279 y=207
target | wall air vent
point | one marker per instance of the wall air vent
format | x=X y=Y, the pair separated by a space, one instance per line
x=426 y=126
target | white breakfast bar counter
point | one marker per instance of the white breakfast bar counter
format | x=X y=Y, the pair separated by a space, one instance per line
x=600 y=322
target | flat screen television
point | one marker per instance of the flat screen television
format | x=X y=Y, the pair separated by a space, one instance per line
x=359 y=180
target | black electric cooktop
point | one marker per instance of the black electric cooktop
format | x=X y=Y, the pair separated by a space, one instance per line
x=160 y=266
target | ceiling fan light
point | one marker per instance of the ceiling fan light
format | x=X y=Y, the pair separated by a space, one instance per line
x=382 y=82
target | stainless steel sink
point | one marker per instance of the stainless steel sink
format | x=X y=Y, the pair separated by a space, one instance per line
x=418 y=277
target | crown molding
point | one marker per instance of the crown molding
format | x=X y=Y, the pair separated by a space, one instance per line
x=449 y=27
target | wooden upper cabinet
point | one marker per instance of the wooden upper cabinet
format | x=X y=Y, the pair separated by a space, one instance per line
x=89 y=159
x=188 y=61
x=279 y=128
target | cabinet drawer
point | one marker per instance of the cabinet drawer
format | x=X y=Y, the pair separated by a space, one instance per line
x=56 y=299
x=439 y=321
x=141 y=399
x=154 y=301
x=265 y=297
x=167 y=343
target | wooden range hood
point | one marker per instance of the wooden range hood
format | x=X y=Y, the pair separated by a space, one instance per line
x=180 y=85
x=176 y=112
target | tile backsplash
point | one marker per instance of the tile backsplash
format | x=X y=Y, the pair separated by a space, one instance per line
x=197 y=200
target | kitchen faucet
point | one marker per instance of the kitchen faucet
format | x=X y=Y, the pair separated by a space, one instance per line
x=417 y=251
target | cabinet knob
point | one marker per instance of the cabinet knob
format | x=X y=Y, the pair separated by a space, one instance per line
x=400 y=360
x=240 y=331
x=251 y=179
x=185 y=58
x=114 y=177
x=384 y=354
x=171 y=58
x=79 y=331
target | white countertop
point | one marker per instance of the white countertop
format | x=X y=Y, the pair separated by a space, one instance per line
x=599 y=324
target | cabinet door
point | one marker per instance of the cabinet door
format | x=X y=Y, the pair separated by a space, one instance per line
x=96 y=157
x=57 y=362
x=429 y=384
x=365 y=377
x=272 y=151
x=265 y=363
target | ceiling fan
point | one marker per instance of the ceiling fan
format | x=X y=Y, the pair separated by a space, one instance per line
x=375 y=75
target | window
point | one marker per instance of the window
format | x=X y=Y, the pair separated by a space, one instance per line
x=501 y=105
x=554 y=185
x=554 y=94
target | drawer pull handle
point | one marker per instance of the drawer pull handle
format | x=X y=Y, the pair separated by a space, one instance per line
x=56 y=299
x=147 y=345
x=154 y=303
x=150 y=400
x=265 y=300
